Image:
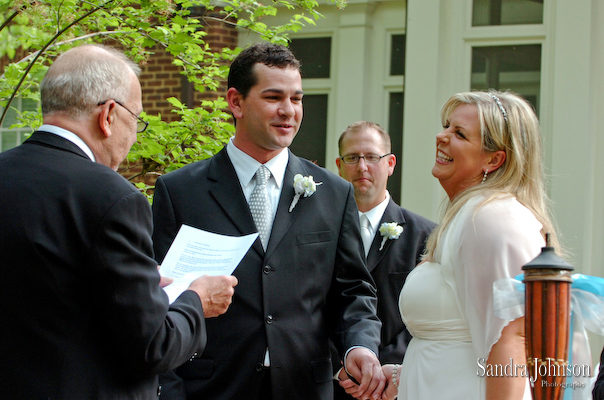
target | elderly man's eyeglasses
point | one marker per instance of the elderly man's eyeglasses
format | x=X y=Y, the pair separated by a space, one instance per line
x=369 y=158
x=141 y=125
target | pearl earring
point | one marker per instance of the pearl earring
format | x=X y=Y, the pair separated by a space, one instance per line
x=484 y=177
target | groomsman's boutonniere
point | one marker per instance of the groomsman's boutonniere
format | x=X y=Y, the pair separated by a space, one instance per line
x=390 y=230
x=303 y=185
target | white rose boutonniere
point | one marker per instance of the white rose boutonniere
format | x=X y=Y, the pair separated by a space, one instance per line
x=390 y=230
x=303 y=185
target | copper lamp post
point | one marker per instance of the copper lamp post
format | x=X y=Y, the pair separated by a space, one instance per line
x=547 y=322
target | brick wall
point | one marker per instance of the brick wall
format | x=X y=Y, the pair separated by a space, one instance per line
x=161 y=80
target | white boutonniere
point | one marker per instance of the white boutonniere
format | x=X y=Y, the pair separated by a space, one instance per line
x=390 y=230
x=303 y=185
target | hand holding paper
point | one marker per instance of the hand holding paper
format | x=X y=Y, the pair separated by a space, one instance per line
x=195 y=252
x=164 y=280
x=215 y=292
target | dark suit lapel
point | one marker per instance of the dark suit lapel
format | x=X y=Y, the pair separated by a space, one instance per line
x=226 y=190
x=283 y=218
x=393 y=213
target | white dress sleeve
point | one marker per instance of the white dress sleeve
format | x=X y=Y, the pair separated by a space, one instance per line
x=482 y=246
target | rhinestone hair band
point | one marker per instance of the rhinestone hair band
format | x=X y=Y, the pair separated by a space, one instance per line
x=503 y=112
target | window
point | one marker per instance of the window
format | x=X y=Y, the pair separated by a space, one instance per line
x=10 y=138
x=315 y=56
x=397 y=55
x=395 y=130
x=395 y=110
x=514 y=67
x=506 y=12
x=312 y=136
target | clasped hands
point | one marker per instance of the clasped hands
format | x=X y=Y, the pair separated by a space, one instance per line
x=375 y=380
x=365 y=368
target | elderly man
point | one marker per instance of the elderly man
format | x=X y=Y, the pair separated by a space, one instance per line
x=84 y=315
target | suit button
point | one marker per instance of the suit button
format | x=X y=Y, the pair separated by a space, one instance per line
x=269 y=319
x=159 y=391
x=267 y=269
x=259 y=367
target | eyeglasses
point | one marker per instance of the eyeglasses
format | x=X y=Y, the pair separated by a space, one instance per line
x=141 y=125
x=369 y=158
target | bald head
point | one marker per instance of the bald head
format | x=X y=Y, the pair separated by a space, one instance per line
x=84 y=76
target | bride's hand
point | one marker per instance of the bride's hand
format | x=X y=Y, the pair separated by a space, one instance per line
x=391 y=391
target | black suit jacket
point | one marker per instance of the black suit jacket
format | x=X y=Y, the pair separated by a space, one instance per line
x=389 y=268
x=84 y=315
x=311 y=281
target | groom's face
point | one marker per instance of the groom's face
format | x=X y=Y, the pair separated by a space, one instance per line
x=269 y=117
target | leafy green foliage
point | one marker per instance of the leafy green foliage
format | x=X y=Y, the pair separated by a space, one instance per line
x=43 y=29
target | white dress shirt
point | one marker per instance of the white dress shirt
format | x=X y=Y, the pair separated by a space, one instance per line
x=72 y=137
x=246 y=167
x=375 y=214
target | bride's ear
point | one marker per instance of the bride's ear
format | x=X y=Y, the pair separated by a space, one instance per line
x=496 y=160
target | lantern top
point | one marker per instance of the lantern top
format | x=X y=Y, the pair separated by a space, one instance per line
x=548 y=259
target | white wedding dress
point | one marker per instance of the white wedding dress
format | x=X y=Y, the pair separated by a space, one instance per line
x=447 y=305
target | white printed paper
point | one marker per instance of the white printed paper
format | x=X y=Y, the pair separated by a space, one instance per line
x=196 y=252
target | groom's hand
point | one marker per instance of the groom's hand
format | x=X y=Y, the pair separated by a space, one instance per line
x=365 y=368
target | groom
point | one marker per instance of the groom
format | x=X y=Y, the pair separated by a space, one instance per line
x=303 y=281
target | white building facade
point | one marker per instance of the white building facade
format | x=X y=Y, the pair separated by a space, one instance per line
x=550 y=51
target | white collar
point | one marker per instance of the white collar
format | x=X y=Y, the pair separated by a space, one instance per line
x=375 y=214
x=72 y=137
x=246 y=166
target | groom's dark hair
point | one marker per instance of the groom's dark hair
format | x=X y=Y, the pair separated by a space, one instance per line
x=241 y=73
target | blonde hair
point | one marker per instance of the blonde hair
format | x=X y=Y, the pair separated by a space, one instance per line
x=508 y=123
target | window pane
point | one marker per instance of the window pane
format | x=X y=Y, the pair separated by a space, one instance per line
x=9 y=140
x=314 y=54
x=507 y=12
x=10 y=118
x=397 y=55
x=517 y=68
x=311 y=139
x=28 y=105
x=395 y=129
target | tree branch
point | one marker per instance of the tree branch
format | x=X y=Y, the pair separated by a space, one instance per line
x=46 y=46
x=9 y=19
x=28 y=57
